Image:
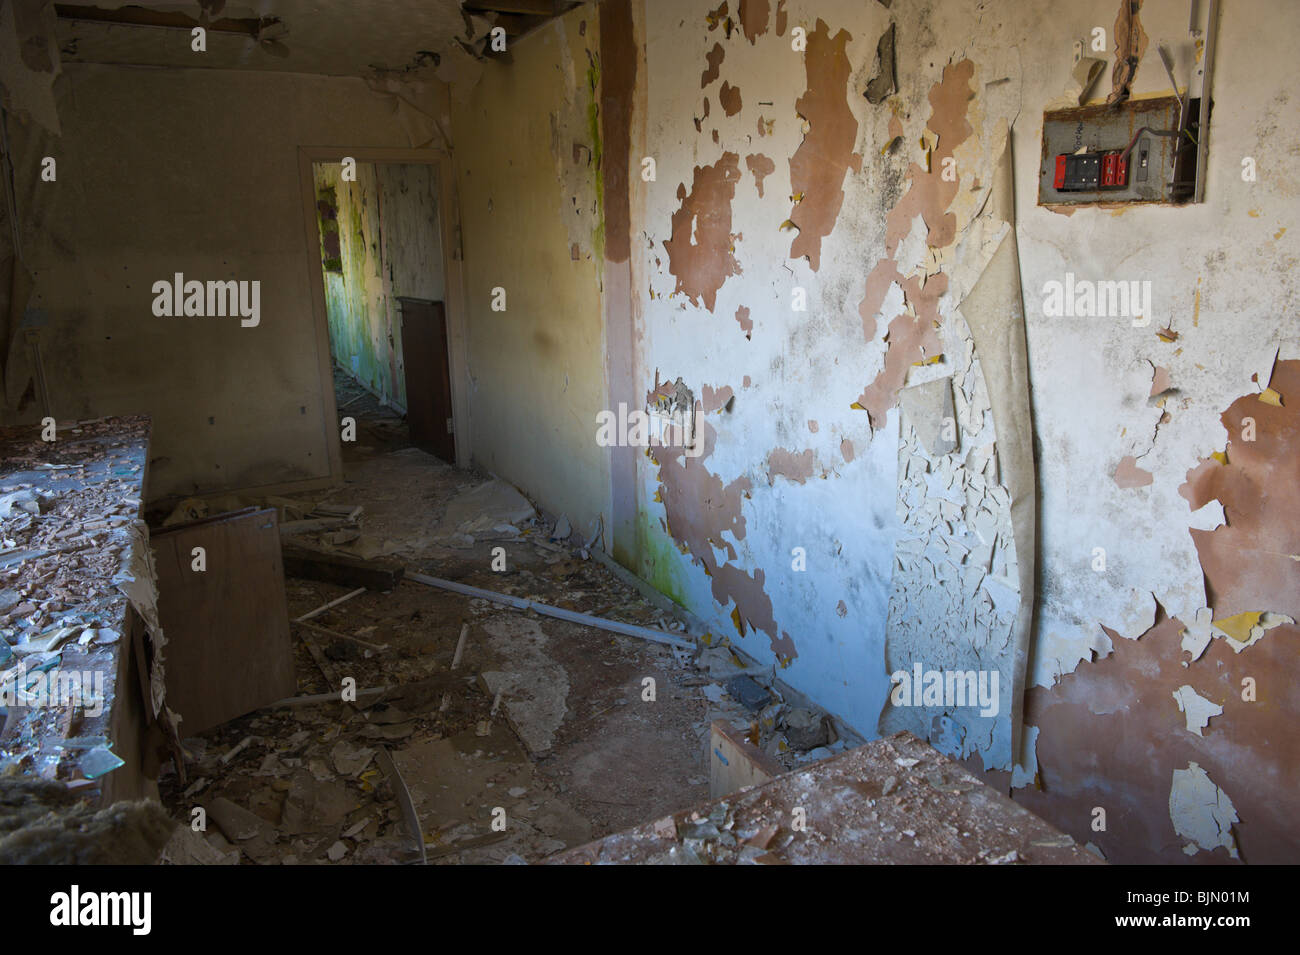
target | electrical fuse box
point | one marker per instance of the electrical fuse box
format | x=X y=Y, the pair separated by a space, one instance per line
x=1114 y=154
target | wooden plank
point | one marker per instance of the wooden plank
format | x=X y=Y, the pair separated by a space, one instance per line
x=311 y=525
x=735 y=763
x=341 y=569
x=228 y=648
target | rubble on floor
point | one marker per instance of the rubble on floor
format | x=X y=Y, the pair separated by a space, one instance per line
x=68 y=516
x=894 y=800
x=515 y=735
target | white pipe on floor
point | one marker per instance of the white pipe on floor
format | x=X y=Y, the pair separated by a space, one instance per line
x=571 y=616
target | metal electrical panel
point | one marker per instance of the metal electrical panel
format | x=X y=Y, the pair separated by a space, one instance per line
x=1087 y=156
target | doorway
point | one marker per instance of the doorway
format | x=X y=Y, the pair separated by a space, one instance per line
x=383 y=278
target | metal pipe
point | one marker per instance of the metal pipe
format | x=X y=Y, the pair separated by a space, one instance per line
x=546 y=610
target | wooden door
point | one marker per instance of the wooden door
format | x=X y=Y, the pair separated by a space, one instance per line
x=425 y=354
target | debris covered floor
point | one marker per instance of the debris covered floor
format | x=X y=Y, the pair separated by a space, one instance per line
x=574 y=750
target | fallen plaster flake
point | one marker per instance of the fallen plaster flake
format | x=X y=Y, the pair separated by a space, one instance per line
x=350 y=759
x=986 y=527
x=1239 y=626
x=912 y=548
x=993 y=469
x=1003 y=592
x=1196 y=708
x=950 y=511
x=911 y=255
x=948 y=737
x=955 y=550
x=1201 y=811
x=487 y=511
x=1139 y=615
x=1024 y=773
x=980 y=404
x=535 y=703
x=978 y=458
x=137 y=580
x=1208 y=517
x=1264 y=372
x=1198 y=633
x=947 y=573
x=535 y=691
x=1246 y=629
x=939 y=489
x=928 y=407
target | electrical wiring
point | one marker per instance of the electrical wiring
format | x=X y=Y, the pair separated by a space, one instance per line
x=1147 y=129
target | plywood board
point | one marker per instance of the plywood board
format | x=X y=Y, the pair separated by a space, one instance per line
x=735 y=763
x=228 y=647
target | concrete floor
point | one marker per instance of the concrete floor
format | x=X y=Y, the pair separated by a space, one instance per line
x=601 y=757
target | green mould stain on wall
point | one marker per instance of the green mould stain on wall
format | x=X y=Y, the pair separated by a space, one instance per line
x=327 y=221
x=358 y=302
x=660 y=559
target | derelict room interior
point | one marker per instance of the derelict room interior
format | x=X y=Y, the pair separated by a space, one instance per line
x=730 y=432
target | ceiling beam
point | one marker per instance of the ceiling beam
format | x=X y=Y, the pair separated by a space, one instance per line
x=543 y=8
x=517 y=25
x=141 y=17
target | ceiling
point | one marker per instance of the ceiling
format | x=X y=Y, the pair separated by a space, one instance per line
x=331 y=37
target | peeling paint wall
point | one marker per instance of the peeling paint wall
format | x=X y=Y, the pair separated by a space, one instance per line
x=356 y=291
x=852 y=265
x=192 y=171
x=529 y=180
x=380 y=240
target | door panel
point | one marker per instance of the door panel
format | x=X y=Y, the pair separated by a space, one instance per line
x=428 y=377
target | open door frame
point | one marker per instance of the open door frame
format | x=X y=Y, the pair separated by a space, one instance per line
x=449 y=228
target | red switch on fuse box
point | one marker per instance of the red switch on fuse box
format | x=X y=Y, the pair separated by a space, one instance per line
x=1088 y=172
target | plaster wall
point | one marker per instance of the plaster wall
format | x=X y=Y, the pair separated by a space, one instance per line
x=190 y=171
x=528 y=180
x=816 y=451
